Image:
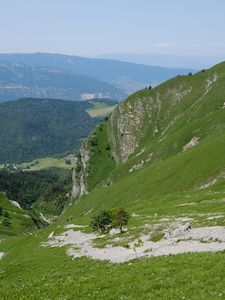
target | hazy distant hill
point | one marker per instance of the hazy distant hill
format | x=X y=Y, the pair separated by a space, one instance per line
x=127 y=76
x=168 y=60
x=19 y=80
x=33 y=128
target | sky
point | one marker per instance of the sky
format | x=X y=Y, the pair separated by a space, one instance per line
x=94 y=27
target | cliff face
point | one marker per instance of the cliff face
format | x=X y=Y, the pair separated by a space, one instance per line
x=126 y=128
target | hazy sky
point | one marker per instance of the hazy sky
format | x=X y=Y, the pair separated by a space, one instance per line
x=91 y=27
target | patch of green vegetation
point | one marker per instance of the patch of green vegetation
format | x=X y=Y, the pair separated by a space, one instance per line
x=157 y=235
x=46 y=191
x=34 y=128
x=46 y=163
x=101 y=162
x=13 y=220
x=58 y=276
x=101 y=107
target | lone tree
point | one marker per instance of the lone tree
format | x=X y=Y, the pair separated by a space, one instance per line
x=102 y=222
x=120 y=218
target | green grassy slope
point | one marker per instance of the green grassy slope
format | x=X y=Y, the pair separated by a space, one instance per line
x=153 y=178
x=154 y=125
x=44 y=163
x=57 y=276
x=19 y=220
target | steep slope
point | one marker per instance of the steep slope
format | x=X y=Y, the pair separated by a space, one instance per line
x=45 y=192
x=20 y=81
x=126 y=76
x=34 y=128
x=154 y=125
x=13 y=219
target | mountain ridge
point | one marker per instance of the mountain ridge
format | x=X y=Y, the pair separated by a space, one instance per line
x=18 y=80
x=125 y=76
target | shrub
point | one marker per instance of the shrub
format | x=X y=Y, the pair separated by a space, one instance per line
x=102 y=222
x=108 y=219
x=120 y=218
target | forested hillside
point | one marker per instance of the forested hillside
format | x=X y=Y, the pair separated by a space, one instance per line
x=34 y=128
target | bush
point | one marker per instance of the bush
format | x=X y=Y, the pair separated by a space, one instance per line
x=120 y=218
x=102 y=222
x=1 y=211
x=107 y=220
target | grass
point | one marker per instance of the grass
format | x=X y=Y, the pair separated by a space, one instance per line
x=100 y=111
x=44 y=163
x=101 y=162
x=56 y=276
x=19 y=220
x=157 y=236
x=164 y=190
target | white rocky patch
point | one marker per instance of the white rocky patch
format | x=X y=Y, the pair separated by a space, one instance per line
x=137 y=166
x=1 y=255
x=183 y=239
x=193 y=142
x=45 y=219
x=71 y=226
x=211 y=80
x=75 y=186
x=51 y=235
x=15 y=204
x=187 y=204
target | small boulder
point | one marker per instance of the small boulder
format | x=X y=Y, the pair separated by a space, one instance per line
x=187 y=227
x=51 y=235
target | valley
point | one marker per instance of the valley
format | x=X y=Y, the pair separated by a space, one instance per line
x=160 y=155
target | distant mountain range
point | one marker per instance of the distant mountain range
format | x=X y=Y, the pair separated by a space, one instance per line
x=19 y=80
x=76 y=78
